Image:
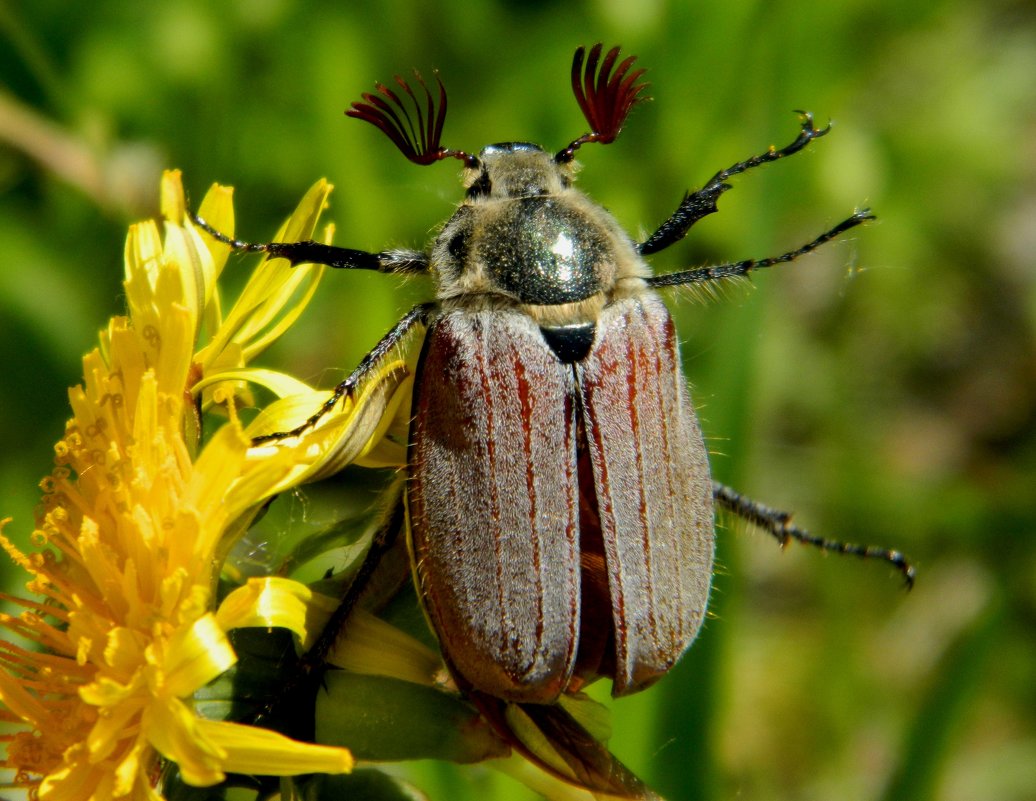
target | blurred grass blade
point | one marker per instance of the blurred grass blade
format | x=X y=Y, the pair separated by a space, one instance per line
x=953 y=691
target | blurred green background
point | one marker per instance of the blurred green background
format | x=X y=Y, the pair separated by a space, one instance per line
x=885 y=388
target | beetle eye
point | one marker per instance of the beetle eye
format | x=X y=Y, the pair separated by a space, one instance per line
x=458 y=246
x=419 y=143
x=605 y=98
x=482 y=186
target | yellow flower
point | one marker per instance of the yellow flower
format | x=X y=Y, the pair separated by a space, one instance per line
x=137 y=518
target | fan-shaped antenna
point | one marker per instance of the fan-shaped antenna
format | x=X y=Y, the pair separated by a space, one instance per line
x=420 y=143
x=606 y=98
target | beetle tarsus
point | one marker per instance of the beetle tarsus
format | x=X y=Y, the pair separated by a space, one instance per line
x=343 y=390
x=309 y=251
x=701 y=203
x=737 y=269
x=807 y=133
x=778 y=524
x=418 y=314
x=219 y=236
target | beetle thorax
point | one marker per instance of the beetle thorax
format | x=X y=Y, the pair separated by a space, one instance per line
x=525 y=237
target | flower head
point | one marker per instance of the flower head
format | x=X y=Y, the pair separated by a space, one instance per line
x=123 y=628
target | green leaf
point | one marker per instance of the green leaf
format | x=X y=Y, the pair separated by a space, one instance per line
x=360 y=785
x=385 y=719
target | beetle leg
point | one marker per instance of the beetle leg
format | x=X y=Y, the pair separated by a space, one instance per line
x=418 y=314
x=779 y=525
x=736 y=269
x=310 y=252
x=702 y=202
x=384 y=539
x=551 y=738
x=306 y=676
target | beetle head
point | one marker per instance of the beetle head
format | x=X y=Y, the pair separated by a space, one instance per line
x=512 y=169
x=515 y=170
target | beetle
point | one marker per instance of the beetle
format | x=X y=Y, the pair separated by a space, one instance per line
x=560 y=505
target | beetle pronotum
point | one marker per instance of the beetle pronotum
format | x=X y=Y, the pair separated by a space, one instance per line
x=559 y=497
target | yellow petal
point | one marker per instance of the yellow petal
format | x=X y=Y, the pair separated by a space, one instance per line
x=277 y=325
x=217 y=209
x=196 y=655
x=106 y=692
x=303 y=220
x=253 y=750
x=267 y=602
x=340 y=436
x=281 y=384
x=143 y=254
x=175 y=732
x=123 y=649
x=206 y=257
x=110 y=728
x=380 y=451
x=76 y=782
x=272 y=287
x=384 y=453
x=183 y=276
x=371 y=646
x=172 y=200
x=131 y=775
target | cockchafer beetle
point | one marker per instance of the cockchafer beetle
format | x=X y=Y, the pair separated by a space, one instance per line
x=559 y=497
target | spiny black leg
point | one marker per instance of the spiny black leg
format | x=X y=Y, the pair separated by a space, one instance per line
x=778 y=524
x=742 y=268
x=310 y=252
x=702 y=203
x=807 y=134
x=345 y=389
